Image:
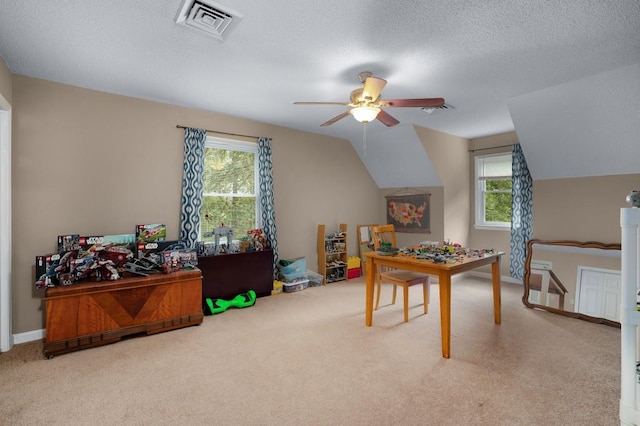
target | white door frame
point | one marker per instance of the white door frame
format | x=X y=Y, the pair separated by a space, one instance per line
x=6 y=338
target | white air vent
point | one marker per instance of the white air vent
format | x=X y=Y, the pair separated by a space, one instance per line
x=207 y=16
x=430 y=110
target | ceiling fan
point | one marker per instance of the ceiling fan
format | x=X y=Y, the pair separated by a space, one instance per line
x=367 y=106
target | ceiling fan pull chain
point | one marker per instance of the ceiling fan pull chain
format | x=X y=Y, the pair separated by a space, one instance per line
x=364 y=138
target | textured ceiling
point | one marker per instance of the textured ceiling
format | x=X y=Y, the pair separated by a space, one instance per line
x=490 y=60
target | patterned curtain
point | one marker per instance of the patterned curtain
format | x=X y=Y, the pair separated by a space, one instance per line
x=521 y=211
x=192 y=184
x=266 y=197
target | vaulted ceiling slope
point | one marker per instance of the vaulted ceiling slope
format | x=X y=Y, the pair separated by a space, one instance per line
x=551 y=65
x=587 y=127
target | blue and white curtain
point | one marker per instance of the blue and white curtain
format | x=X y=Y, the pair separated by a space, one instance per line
x=521 y=211
x=265 y=179
x=192 y=185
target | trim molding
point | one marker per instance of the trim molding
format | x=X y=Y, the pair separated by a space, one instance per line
x=29 y=336
x=487 y=275
x=503 y=278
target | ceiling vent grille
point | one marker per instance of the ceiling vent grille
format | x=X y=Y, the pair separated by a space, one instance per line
x=430 y=110
x=206 y=16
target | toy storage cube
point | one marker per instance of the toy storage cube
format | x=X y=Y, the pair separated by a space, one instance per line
x=353 y=273
x=315 y=279
x=353 y=262
x=293 y=269
x=295 y=286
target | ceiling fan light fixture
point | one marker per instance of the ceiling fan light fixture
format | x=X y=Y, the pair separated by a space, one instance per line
x=365 y=114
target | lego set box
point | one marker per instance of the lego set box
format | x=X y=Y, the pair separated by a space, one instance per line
x=145 y=249
x=68 y=242
x=49 y=268
x=108 y=257
x=91 y=244
x=151 y=233
x=163 y=256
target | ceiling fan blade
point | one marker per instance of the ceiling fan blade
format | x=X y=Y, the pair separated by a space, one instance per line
x=372 y=88
x=321 y=103
x=386 y=119
x=336 y=118
x=424 y=102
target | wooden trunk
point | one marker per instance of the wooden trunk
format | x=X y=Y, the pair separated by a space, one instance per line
x=90 y=314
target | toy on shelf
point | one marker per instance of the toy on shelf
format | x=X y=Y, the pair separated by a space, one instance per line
x=220 y=233
x=226 y=233
x=258 y=239
x=107 y=257
x=255 y=240
x=165 y=257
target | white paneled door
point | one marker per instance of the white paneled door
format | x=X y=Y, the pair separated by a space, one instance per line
x=598 y=293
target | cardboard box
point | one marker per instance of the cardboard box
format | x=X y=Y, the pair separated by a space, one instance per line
x=68 y=243
x=151 y=233
x=50 y=268
x=144 y=249
x=46 y=276
x=89 y=245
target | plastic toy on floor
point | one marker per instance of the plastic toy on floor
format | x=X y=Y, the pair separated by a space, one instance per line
x=243 y=300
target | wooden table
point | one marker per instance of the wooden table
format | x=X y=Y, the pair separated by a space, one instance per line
x=444 y=272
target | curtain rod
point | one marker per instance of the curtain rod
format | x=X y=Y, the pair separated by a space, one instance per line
x=493 y=147
x=221 y=133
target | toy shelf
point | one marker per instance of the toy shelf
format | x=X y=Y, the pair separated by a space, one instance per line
x=332 y=254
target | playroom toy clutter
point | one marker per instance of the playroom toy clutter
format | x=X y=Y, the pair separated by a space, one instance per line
x=255 y=240
x=108 y=257
x=442 y=252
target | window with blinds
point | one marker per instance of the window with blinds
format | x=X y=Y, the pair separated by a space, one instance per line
x=493 y=191
x=230 y=190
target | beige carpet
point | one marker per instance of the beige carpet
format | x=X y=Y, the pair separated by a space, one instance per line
x=307 y=358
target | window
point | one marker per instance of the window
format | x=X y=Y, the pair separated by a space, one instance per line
x=493 y=191
x=230 y=187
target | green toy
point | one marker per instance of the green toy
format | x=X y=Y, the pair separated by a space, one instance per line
x=243 y=300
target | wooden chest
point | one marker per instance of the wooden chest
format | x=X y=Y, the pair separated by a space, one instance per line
x=90 y=314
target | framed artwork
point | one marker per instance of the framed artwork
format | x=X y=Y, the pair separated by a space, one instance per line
x=409 y=212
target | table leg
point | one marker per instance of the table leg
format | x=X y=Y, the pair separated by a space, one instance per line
x=370 y=274
x=444 y=283
x=495 y=278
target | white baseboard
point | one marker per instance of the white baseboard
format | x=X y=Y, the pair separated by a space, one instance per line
x=487 y=275
x=28 y=336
